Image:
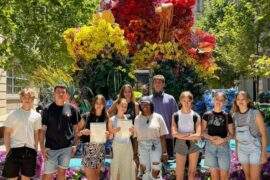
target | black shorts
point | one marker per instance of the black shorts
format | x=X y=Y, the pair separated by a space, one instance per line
x=20 y=160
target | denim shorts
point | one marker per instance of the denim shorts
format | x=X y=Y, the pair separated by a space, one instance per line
x=57 y=159
x=217 y=156
x=249 y=154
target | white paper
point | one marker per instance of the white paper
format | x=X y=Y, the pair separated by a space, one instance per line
x=125 y=125
x=98 y=132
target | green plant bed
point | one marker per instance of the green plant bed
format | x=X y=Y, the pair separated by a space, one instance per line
x=265 y=109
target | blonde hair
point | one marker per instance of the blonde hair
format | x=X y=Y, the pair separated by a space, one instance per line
x=27 y=91
x=220 y=93
x=187 y=94
x=235 y=107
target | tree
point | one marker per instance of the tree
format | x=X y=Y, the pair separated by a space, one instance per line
x=33 y=35
x=241 y=30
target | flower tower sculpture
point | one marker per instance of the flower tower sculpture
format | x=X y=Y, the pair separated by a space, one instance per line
x=145 y=34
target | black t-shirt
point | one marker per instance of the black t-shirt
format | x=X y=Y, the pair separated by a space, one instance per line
x=59 y=121
x=216 y=123
x=90 y=118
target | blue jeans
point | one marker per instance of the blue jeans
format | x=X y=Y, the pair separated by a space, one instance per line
x=217 y=156
x=57 y=159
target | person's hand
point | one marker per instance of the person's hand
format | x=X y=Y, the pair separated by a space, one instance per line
x=44 y=152
x=131 y=130
x=116 y=130
x=85 y=132
x=107 y=134
x=263 y=158
x=73 y=150
x=218 y=141
x=212 y=138
x=164 y=157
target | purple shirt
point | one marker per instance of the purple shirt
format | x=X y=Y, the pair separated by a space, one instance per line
x=165 y=105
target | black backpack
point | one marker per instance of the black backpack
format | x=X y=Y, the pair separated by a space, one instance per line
x=176 y=119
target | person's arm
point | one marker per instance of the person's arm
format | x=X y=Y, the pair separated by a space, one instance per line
x=42 y=133
x=7 y=135
x=81 y=130
x=36 y=134
x=262 y=129
x=76 y=137
x=204 y=131
x=175 y=132
x=197 y=134
x=111 y=129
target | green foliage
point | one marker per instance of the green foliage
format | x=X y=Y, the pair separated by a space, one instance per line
x=265 y=109
x=105 y=76
x=180 y=77
x=242 y=30
x=33 y=32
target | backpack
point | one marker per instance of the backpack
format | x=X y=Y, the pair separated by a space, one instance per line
x=176 y=119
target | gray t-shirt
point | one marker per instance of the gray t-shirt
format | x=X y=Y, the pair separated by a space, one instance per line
x=241 y=119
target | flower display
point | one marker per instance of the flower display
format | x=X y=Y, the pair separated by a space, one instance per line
x=102 y=38
x=146 y=30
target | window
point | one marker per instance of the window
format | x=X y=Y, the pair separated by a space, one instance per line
x=14 y=83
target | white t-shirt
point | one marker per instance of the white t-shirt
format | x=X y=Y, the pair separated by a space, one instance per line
x=149 y=128
x=185 y=121
x=23 y=124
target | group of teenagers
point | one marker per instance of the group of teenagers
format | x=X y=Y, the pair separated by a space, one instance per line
x=162 y=129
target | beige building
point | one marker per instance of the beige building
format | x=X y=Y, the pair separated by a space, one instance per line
x=9 y=98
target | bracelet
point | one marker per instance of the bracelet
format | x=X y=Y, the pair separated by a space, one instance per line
x=165 y=153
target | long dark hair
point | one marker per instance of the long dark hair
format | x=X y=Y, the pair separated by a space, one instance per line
x=104 y=113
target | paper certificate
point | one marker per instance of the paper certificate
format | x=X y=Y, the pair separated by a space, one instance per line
x=125 y=125
x=98 y=132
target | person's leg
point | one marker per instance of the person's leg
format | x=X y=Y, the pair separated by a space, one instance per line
x=127 y=165
x=255 y=166
x=28 y=168
x=115 y=161
x=25 y=178
x=255 y=171
x=50 y=164
x=144 y=158
x=155 y=157
x=211 y=160
x=180 y=166
x=12 y=165
x=246 y=169
x=63 y=162
x=224 y=159
x=214 y=173
x=224 y=174
x=244 y=159
x=193 y=160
